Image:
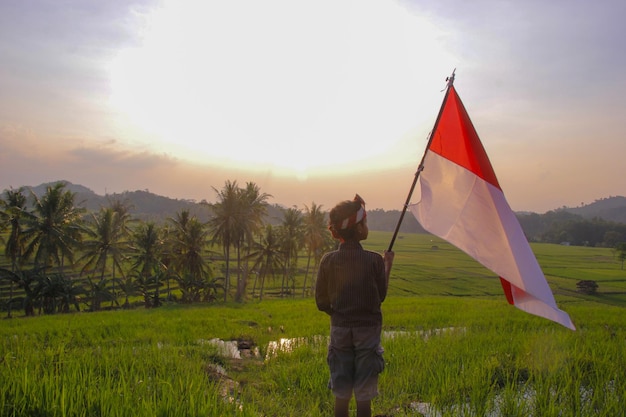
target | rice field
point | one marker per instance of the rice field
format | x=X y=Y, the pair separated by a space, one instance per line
x=453 y=347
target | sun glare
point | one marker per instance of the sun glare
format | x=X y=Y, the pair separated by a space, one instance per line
x=277 y=84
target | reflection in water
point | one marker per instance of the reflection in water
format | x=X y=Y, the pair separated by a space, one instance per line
x=425 y=334
x=230 y=348
x=285 y=345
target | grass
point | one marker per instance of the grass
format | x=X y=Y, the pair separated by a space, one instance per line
x=153 y=362
x=427 y=265
x=490 y=358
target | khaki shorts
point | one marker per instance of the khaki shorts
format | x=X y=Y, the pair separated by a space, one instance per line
x=355 y=358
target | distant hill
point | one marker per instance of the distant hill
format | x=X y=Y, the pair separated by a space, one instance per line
x=145 y=205
x=85 y=197
x=610 y=208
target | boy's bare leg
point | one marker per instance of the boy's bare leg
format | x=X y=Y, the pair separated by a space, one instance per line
x=364 y=408
x=342 y=407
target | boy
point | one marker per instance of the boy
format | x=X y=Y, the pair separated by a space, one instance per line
x=351 y=285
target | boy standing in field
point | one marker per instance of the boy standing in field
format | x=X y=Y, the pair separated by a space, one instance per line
x=351 y=286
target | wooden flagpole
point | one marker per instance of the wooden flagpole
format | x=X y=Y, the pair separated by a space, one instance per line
x=420 y=168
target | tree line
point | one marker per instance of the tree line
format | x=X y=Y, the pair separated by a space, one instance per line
x=561 y=226
x=59 y=257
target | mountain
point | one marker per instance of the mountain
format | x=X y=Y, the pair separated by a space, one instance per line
x=142 y=204
x=85 y=197
x=145 y=205
x=610 y=208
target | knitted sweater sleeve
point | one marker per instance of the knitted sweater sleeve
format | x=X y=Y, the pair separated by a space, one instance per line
x=322 y=296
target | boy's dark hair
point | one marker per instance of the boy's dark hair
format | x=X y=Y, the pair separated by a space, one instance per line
x=339 y=213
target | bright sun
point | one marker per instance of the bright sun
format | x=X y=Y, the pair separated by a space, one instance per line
x=293 y=86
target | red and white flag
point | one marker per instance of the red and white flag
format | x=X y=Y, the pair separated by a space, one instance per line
x=462 y=202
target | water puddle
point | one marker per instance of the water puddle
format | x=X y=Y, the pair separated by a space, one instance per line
x=232 y=349
x=286 y=345
x=524 y=401
x=424 y=334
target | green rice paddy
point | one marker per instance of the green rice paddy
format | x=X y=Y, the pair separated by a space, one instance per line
x=453 y=347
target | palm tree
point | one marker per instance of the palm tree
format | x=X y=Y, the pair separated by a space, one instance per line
x=315 y=236
x=122 y=209
x=172 y=230
x=268 y=257
x=291 y=232
x=237 y=216
x=253 y=206
x=147 y=247
x=223 y=225
x=188 y=242
x=108 y=234
x=55 y=230
x=12 y=215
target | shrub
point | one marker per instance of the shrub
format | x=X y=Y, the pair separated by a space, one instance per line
x=587 y=286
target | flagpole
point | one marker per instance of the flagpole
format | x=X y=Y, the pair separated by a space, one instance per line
x=420 y=168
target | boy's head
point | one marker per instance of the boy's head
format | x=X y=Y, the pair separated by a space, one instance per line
x=348 y=220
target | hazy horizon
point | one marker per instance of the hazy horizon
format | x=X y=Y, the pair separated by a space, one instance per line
x=278 y=201
x=314 y=102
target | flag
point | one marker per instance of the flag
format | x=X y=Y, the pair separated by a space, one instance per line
x=462 y=203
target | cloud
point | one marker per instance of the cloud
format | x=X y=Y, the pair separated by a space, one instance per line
x=112 y=157
x=540 y=81
x=26 y=160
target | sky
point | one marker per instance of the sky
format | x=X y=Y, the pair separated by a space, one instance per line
x=313 y=101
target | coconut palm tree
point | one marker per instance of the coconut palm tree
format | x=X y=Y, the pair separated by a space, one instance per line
x=223 y=224
x=12 y=216
x=124 y=221
x=268 y=258
x=187 y=245
x=188 y=241
x=172 y=232
x=253 y=209
x=315 y=236
x=107 y=240
x=237 y=216
x=147 y=246
x=291 y=232
x=55 y=229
